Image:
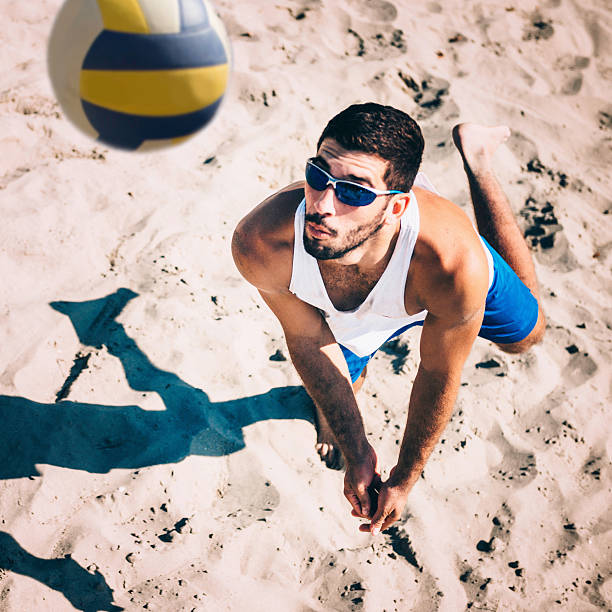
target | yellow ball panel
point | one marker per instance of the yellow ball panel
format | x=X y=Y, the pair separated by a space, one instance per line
x=154 y=93
x=123 y=16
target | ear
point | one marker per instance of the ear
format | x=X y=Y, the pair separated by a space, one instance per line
x=398 y=207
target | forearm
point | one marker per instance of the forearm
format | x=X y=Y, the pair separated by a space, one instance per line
x=321 y=367
x=431 y=405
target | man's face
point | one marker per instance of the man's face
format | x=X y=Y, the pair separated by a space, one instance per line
x=333 y=228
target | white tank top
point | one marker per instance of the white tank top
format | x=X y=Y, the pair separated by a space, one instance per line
x=364 y=329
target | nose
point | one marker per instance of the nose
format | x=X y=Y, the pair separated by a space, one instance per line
x=325 y=204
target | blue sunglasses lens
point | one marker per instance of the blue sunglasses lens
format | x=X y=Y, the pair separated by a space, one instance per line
x=315 y=177
x=350 y=194
x=354 y=195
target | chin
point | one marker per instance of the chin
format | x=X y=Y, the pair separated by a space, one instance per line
x=319 y=251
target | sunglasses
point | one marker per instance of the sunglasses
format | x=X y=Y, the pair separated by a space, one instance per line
x=347 y=192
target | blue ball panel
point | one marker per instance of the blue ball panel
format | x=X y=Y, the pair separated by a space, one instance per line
x=130 y=131
x=121 y=51
x=193 y=14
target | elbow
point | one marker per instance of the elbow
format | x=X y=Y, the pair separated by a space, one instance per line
x=242 y=247
x=237 y=246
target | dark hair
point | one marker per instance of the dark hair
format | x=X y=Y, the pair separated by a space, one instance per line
x=382 y=130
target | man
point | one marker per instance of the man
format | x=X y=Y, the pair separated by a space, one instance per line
x=360 y=252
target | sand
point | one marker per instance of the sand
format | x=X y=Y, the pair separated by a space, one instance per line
x=157 y=450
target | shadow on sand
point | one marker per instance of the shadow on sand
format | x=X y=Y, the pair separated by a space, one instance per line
x=97 y=438
x=86 y=591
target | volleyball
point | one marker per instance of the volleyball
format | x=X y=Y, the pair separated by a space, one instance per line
x=138 y=74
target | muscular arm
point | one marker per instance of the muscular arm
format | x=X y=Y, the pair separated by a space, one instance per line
x=455 y=303
x=263 y=251
x=322 y=367
x=444 y=350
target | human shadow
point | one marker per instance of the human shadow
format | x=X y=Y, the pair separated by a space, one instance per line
x=86 y=591
x=97 y=437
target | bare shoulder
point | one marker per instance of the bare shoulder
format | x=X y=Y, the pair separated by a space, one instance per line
x=262 y=244
x=451 y=270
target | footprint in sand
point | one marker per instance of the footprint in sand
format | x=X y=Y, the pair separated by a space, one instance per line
x=567 y=541
x=544 y=233
x=570 y=67
x=494 y=546
x=431 y=94
x=376 y=41
x=374 y=10
x=579 y=369
x=371 y=32
x=541 y=223
x=541 y=427
x=516 y=468
x=538 y=28
x=340 y=588
x=596 y=469
x=239 y=509
x=474 y=584
x=547 y=429
x=488 y=370
x=502 y=524
x=577 y=365
x=306 y=5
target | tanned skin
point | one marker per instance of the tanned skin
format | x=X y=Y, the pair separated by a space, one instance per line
x=448 y=277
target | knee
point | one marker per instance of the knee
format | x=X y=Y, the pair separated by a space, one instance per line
x=524 y=345
x=537 y=333
x=535 y=337
x=515 y=348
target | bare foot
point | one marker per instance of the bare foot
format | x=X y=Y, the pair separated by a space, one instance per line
x=478 y=143
x=326 y=445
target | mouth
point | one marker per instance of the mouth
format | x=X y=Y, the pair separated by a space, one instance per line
x=317 y=231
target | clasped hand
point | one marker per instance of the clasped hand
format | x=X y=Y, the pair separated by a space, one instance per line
x=380 y=502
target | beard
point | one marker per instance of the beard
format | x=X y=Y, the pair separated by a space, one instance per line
x=354 y=238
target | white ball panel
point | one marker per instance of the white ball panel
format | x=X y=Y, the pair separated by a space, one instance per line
x=163 y=16
x=76 y=26
x=219 y=27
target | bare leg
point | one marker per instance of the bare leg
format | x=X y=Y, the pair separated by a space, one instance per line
x=494 y=217
x=326 y=442
x=359 y=382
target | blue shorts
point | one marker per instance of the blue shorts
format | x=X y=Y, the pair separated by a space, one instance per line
x=511 y=312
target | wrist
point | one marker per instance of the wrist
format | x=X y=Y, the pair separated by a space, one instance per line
x=361 y=453
x=404 y=477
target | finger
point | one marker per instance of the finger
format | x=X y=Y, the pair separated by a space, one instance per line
x=378 y=521
x=373 y=493
x=364 y=501
x=354 y=501
x=388 y=522
x=360 y=500
x=365 y=510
